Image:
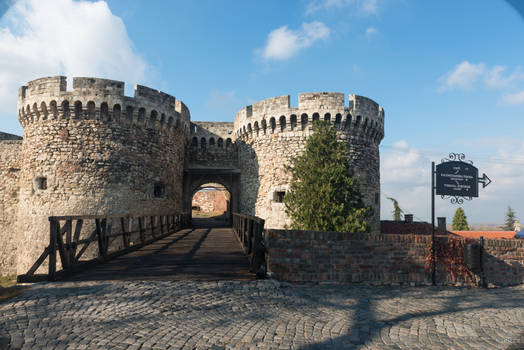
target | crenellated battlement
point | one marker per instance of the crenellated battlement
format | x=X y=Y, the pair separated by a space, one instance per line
x=90 y=149
x=100 y=99
x=361 y=117
x=320 y=100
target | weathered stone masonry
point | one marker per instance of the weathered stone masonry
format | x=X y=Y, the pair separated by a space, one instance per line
x=91 y=150
x=270 y=132
x=9 y=188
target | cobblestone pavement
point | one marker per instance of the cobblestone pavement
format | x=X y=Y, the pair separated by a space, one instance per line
x=260 y=315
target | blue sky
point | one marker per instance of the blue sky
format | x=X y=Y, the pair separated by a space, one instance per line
x=449 y=74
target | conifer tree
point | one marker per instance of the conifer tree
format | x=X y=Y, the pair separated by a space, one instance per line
x=460 y=222
x=509 y=222
x=323 y=193
x=397 y=212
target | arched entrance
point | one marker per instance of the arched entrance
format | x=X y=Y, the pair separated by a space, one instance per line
x=196 y=179
x=211 y=200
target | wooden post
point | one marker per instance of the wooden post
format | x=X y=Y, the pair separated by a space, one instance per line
x=101 y=229
x=246 y=232
x=141 y=228
x=76 y=237
x=152 y=224
x=68 y=245
x=99 y=234
x=250 y=236
x=64 y=254
x=129 y=228
x=125 y=237
x=52 y=246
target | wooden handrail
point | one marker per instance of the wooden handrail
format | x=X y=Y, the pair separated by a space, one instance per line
x=249 y=231
x=65 y=232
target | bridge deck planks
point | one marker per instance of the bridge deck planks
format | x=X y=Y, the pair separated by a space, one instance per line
x=201 y=253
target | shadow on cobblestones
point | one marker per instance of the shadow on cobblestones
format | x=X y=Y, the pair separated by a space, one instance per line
x=372 y=324
x=519 y=344
x=57 y=290
x=262 y=314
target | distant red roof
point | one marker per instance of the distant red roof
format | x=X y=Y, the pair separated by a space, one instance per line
x=486 y=234
x=405 y=228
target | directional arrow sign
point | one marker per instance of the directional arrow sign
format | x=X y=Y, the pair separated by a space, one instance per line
x=484 y=180
x=457 y=179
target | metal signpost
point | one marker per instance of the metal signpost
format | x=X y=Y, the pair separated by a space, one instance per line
x=458 y=179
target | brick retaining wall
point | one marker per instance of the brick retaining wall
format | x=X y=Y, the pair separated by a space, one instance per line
x=303 y=256
x=504 y=261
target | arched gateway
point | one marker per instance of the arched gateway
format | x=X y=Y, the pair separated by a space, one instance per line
x=92 y=151
x=211 y=157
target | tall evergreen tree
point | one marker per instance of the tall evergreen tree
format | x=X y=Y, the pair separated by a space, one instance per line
x=460 y=222
x=509 y=221
x=323 y=193
x=397 y=212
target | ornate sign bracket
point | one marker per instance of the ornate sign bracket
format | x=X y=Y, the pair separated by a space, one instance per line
x=456 y=179
x=456 y=199
x=456 y=157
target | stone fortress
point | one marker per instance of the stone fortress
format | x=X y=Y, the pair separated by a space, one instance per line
x=93 y=151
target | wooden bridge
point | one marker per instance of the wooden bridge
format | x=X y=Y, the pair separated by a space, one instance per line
x=84 y=248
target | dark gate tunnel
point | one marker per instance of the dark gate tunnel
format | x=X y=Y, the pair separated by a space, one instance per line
x=203 y=179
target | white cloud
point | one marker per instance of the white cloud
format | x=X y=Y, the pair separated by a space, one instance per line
x=514 y=99
x=63 y=37
x=366 y=7
x=463 y=76
x=402 y=164
x=371 y=31
x=406 y=176
x=283 y=43
x=495 y=78
x=466 y=75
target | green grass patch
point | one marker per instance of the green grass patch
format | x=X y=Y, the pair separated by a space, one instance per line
x=9 y=288
x=7 y=281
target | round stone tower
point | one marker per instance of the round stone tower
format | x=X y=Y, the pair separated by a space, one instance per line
x=270 y=132
x=94 y=151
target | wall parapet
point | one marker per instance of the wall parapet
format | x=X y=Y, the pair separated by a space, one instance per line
x=306 y=256
x=102 y=99
x=362 y=116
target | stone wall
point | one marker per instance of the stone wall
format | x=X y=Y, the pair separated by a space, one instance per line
x=95 y=151
x=270 y=132
x=305 y=256
x=504 y=261
x=211 y=201
x=211 y=146
x=9 y=175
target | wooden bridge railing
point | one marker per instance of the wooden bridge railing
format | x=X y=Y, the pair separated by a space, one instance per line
x=114 y=235
x=249 y=231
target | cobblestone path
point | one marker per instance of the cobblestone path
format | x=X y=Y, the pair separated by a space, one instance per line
x=260 y=315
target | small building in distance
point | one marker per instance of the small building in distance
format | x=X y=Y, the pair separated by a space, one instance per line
x=408 y=226
x=486 y=234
